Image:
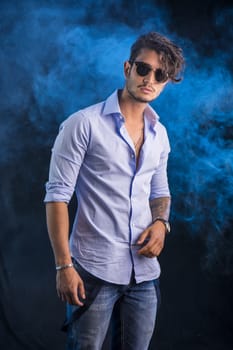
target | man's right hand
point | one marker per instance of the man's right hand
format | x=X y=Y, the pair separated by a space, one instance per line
x=70 y=286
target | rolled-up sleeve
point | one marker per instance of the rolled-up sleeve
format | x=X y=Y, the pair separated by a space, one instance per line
x=67 y=156
x=159 y=181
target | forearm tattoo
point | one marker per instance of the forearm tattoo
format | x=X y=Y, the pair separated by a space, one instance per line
x=160 y=207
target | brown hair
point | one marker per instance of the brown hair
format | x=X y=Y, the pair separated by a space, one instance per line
x=171 y=55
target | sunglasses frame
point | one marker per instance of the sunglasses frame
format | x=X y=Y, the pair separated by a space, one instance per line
x=160 y=75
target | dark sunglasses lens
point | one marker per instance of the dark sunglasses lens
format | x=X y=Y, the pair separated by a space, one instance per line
x=160 y=75
x=142 y=69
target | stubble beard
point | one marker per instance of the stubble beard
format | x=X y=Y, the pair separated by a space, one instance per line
x=136 y=98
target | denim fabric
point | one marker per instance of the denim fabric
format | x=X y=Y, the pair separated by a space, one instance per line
x=137 y=304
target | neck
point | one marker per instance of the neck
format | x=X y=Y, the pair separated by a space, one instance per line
x=131 y=109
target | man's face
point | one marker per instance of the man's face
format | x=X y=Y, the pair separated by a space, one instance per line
x=144 y=88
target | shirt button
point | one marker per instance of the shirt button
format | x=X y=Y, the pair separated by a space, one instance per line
x=132 y=155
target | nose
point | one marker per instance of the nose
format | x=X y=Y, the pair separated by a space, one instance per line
x=149 y=78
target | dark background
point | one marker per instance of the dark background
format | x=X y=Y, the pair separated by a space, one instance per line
x=59 y=56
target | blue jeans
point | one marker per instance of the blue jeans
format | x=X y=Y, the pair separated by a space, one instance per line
x=137 y=304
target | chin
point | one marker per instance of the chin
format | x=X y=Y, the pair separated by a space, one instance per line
x=144 y=99
x=139 y=98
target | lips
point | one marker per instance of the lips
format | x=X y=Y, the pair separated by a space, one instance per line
x=146 y=90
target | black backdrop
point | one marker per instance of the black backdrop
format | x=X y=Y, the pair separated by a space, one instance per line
x=57 y=57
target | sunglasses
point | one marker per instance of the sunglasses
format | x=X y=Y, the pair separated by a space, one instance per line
x=143 y=69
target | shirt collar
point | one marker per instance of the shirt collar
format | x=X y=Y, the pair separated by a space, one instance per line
x=112 y=104
x=112 y=107
x=151 y=116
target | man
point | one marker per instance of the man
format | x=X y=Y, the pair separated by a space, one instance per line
x=114 y=156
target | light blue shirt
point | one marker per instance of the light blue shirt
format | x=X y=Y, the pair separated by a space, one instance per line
x=94 y=156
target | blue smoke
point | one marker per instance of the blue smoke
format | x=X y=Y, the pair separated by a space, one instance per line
x=58 y=58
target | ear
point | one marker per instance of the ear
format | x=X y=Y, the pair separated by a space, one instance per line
x=127 y=67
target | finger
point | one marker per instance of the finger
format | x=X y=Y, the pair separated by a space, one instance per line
x=78 y=295
x=74 y=299
x=71 y=298
x=146 y=250
x=155 y=251
x=151 y=255
x=68 y=299
x=62 y=297
x=150 y=249
x=148 y=254
x=142 y=237
x=81 y=290
x=153 y=244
